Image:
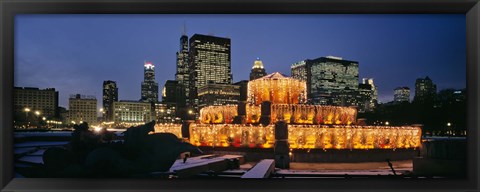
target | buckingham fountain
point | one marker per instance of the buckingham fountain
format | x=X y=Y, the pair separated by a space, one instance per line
x=275 y=120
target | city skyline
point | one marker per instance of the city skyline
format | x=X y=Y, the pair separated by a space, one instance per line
x=82 y=69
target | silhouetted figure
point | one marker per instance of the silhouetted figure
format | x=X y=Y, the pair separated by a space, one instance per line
x=83 y=141
x=143 y=153
x=91 y=154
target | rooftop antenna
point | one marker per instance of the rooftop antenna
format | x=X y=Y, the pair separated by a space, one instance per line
x=184 y=28
x=210 y=33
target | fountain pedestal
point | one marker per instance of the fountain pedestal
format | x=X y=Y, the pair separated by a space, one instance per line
x=266 y=111
x=281 y=149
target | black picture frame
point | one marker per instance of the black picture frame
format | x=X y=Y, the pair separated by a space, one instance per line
x=9 y=8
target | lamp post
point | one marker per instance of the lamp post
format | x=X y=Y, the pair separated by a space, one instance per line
x=190 y=112
x=26 y=115
x=103 y=114
x=37 y=113
x=449 y=129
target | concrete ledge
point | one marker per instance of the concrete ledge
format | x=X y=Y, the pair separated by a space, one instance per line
x=318 y=155
x=262 y=169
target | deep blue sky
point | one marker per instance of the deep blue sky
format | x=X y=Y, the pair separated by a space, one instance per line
x=76 y=53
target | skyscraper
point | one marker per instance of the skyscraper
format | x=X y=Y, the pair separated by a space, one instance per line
x=401 y=94
x=257 y=70
x=209 y=61
x=149 y=86
x=173 y=92
x=425 y=90
x=299 y=70
x=374 y=93
x=330 y=80
x=173 y=102
x=182 y=74
x=110 y=95
x=364 y=98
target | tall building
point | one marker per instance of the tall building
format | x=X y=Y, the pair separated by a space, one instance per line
x=173 y=101
x=182 y=74
x=166 y=113
x=243 y=88
x=218 y=94
x=401 y=94
x=257 y=70
x=299 y=70
x=128 y=113
x=173 y=92
x=149 y=86
x=364 y=99
x=450 y=96
x=209 y=61
x=330 y=80
x=82 y=108
x=110 y=95
x=374 y=93
x=34 y=99
x=425 y=90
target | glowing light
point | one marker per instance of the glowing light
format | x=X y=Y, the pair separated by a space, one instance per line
x=258 y=64
x=97 y=128
x=27 y=109
x=149 y=65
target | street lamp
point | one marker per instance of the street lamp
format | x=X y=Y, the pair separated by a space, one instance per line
x=449 y=125
x=103 y=114
x=37 y=113
x=26 y=114
x=387 y=123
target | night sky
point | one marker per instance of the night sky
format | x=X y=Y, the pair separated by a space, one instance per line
x=76 y=53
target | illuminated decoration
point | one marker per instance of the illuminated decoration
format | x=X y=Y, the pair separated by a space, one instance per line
x=313 y=114
x=218 y=114
x=253 y=113
x=300 y=136
x=353 y=137
x=232 y=135
x=175 y=129
x=309 y=126
x=278 y=89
